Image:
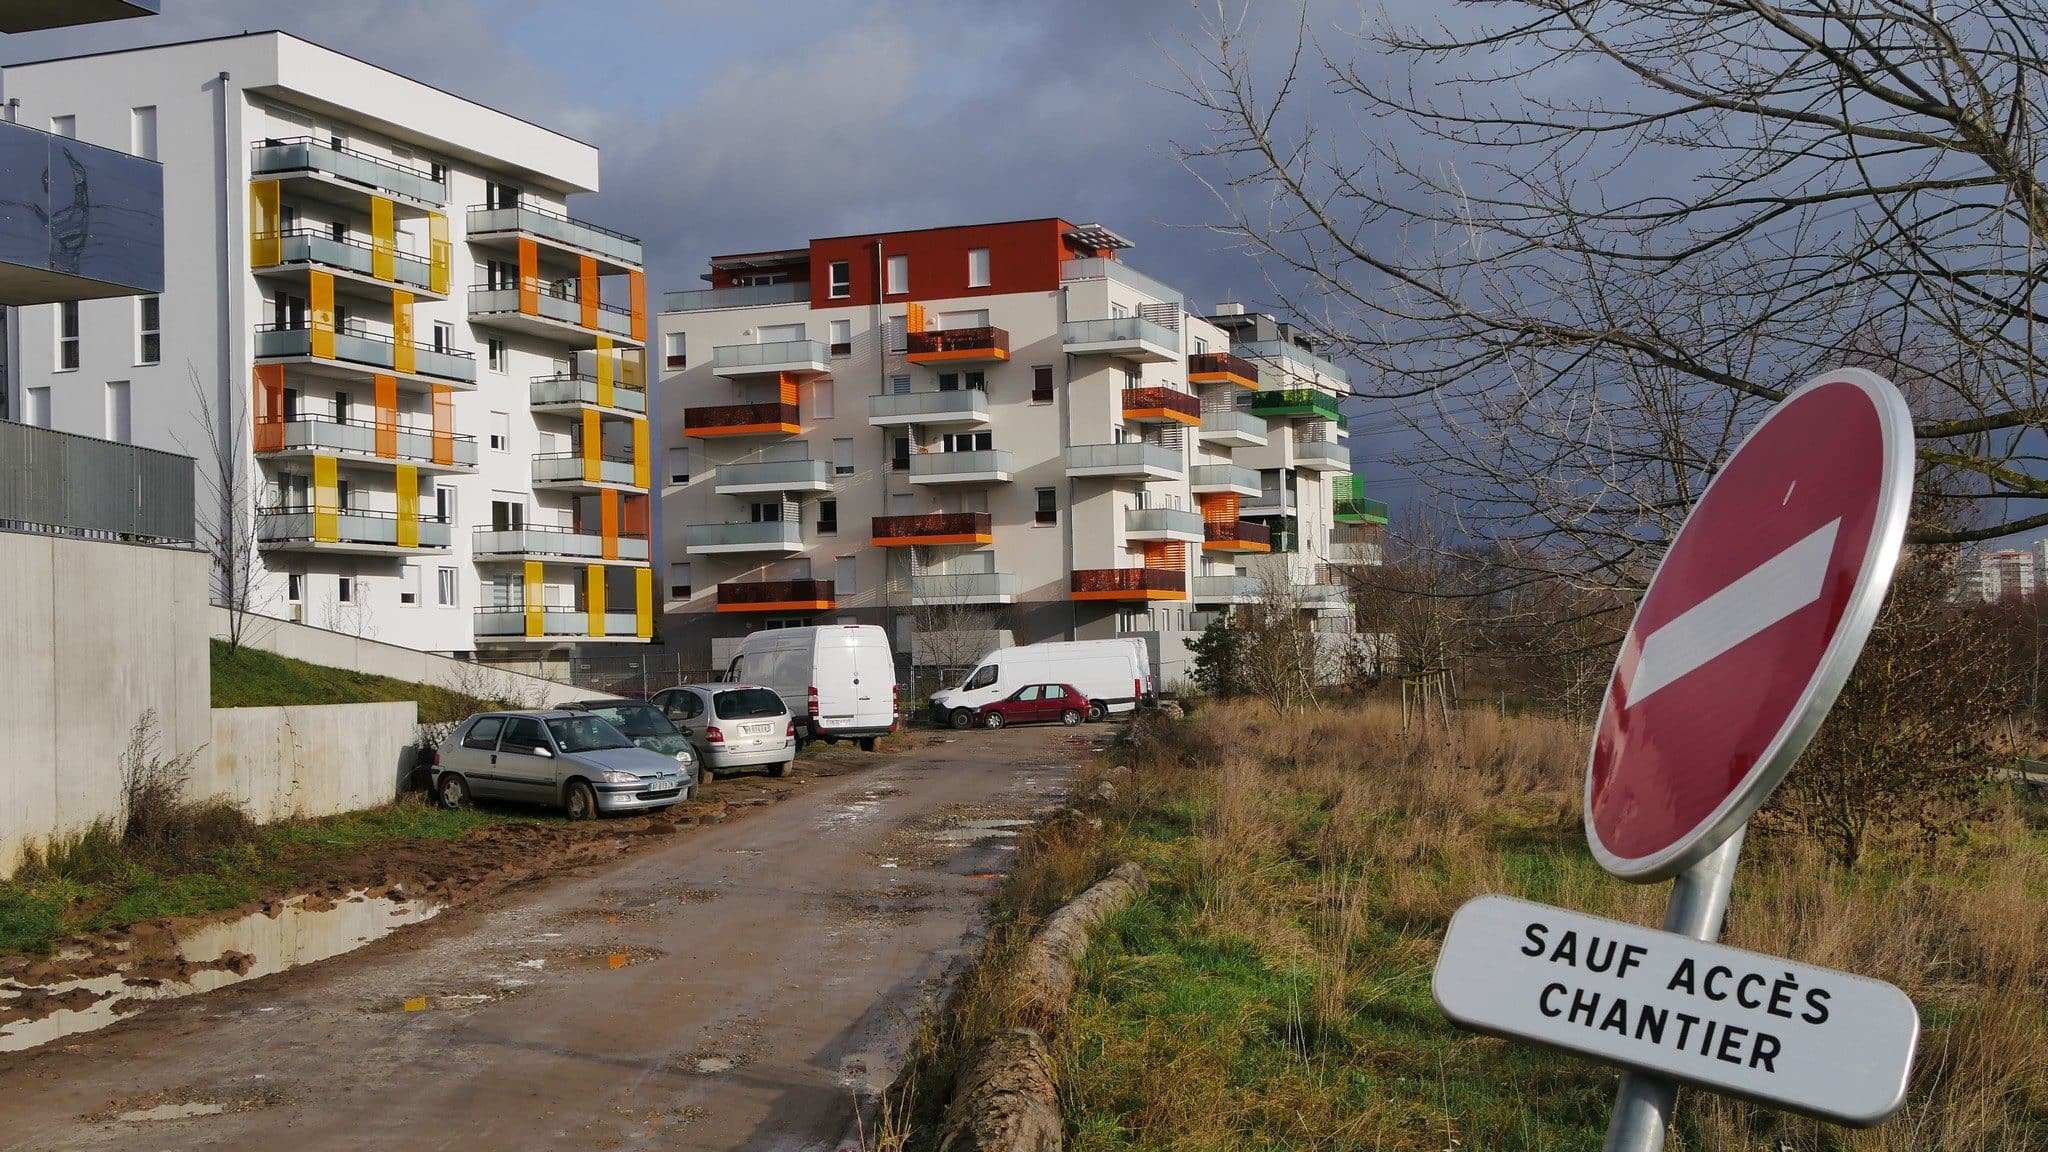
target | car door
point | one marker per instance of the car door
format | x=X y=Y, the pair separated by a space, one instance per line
x=476 y=755
x=1021 y=706
x=1050 y=698
x=685 y=709
x=526 y=759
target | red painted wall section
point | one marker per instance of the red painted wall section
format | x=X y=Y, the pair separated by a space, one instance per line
x=1024 y=256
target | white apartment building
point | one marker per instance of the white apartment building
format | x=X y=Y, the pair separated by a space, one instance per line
x=431 y=375
x=1002 y=418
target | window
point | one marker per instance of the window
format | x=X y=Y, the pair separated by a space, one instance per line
x=67 y=336
x=765 y=512
x=409 y=584
x=1119 y=311
x=294 y=587
x=969 y=441
x=445 y=592
x=899 y=275
x=679 y=465
x=149 y=330
x=840 y=278
x=438 y=171
x=977 y=267
x=444 y=506
x=679 y=581
x=501 y=431
x=444 y=337
x=523 y=734
x=675 y=349
x=344 y=590
x=1041 y=384
x=828 y=517
x=142 y=131
x=899 y=334
x=1048 y=510
x=824 y=405
x=899 y=454
x=949 y=381
x=338 y=232
x=844 y=571
x=117 y=411
x=898 y=385
x=842 y=456
x=982 y=678
x=39 y=407
x=508 y=515
x=483 y=735
x=497 y=352
x=500 y=195
x=66 y=126
x=1201 y=346
x=842 y=337
x=976 y=380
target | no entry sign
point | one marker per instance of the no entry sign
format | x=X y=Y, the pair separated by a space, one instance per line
x=1750 y=626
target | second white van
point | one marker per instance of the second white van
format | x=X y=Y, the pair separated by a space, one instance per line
x=1115 y=675
x=838 y=680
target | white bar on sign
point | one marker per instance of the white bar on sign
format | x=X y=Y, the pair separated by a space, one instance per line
x=1793 y=1036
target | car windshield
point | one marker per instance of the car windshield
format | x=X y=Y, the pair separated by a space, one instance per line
x=635 y=719
x=585 y=734
x=747 y=704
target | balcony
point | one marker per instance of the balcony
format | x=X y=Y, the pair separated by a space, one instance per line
x=1223 y=478
x=958 y=346
x=1125 y=337
x=776 y=596
x=748 y=296
x=1222 y=368
x=960 y=406
x=570 y=471
x=932 y=528
x=780 y=537
x=350 y=260
x=1099 y=268
x=1134 y=459
x=1288 y=360
x=553 y=315
x=741 y=420
x=574 y=391
x=964 y=588
x=1275 y=501
x=988 y=466
x=1163 y=524
x=1367 y=553
x=616 y=251
x=365 y=443
x=1349 y=504
x=357 y=354
x=1230 y=428
x=800 y=357
x=302 y=529
x=1294 y=403
x=1322 y=598
x=1236 y=536
x=1130 y=584
x=1320 y=456
x=1228 y=589
x=555 y=544
x=81 y=222
x=773 y=476
x=501 y=623
x=1161 y=405
x=345 y=175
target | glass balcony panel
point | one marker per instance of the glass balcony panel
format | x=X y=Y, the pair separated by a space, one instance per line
x=748 y=296
x=948 y=587
x=773 y=533
x=960 y=402
x=1164 y=520
x=554 y=226
x=933 y=464
x=1130 y=455
x=303 y=154
x=1099 y=268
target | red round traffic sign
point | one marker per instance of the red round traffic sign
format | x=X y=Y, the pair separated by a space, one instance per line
x=1751 y=625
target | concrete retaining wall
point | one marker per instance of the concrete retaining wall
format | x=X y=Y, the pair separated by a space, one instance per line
x=339 y=650
x=93 y=634
x=308 y=761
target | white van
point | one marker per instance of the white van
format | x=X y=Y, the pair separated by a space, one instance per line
x=839 y=680
x=1115 y=675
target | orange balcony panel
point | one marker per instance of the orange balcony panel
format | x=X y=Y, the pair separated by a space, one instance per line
x=1129 y=584
x=742 y=420
x=1162 y=404
x=1222 y=368
x=1236 y=536
x=933 y=528
x=776 y=596
x=957 y=346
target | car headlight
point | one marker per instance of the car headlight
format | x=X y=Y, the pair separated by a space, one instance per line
x=684 y=757
x=614 y=776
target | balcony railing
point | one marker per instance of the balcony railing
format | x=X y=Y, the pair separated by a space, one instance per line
x=1350 y=505
x=769 y=595
x=544 y=391
x=1237 y=535
x=958 y=406
x=63 y=484
x=747 y=296
x=324 y=433
x=300 y=525
x=1228 y=425
x=1222 y=367
x=765 y=535
x=771 y=357
x=562 y=621
x=1099 y=268
x=964 y=588
x=356 y=346
x=568 y=468
x=1321 y=455
x=1281 y=350
x=774 y=475
x=1222 y=477
x=1228 y=589
x=932 y=528
x=983 y=465
x=1128 y=459
x=1120 y=334
x=1162 y=403
x=551 y=305
x=374 y=174
x=1139 y=522
x=304 y=246
x=1130 y=583
x=563 y=542
x=1293 y=402
x=969 y=344
x=550 y=225
x=740 y=420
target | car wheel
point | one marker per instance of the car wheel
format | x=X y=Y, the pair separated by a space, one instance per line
x=580 y=803
x=452 y=790
x=1096 y=711
x=1070 y=717
x=867 y=743
x=992 y=720
x=961 y=718
x=785 y=768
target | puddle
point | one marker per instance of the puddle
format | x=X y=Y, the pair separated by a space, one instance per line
x=172 y=1112
x=973 y=831
x=207 y=957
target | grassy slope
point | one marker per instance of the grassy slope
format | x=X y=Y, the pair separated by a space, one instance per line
x=251 y=678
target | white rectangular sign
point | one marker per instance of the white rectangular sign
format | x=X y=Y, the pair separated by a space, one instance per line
x=1793 y=1036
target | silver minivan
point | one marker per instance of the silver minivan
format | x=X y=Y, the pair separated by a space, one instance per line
x=573 y=760
x=733 y=725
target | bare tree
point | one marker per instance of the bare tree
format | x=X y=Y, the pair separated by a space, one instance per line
x=1578 y=245
x=1277 y=655
x=227 y=512
x=949 y=636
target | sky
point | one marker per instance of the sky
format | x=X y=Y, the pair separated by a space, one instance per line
x=729 y=127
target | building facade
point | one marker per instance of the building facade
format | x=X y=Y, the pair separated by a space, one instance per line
x=1003 y=430
x=408 y=373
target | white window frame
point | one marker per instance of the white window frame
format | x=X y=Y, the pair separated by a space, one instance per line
x=898 y=276
x=446 y=585
x=845 y=575
x=839 y=279
x=501 y=432
x=409 y=585
x=499 y=353
x=680 y=454
x=824 y=400
x=142 y=131
x=686 y=588
x=144 y=330
x=120 y=412
x=842 y=456
x=675 y=348
x=841 y=333
x=977 y=267
x=68 y=310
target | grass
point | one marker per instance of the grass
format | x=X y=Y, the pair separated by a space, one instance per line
x=251 y=678
x=1272 y=990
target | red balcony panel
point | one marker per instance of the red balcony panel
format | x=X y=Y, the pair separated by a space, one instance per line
x=741 y=420
x=776 y=596
x=958 y=344
x=933 y=528
x=1222 y=367
x=1162 y=404
x=1236 y=536
x=1130 y=584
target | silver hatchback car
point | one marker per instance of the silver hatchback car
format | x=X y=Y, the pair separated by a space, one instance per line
x=573 y=760
x=733 y=725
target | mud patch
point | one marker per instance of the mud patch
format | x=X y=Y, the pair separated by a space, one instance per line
x=158 y=1107
x=606 y=958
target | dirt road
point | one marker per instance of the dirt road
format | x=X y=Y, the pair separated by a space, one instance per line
x=735 y=988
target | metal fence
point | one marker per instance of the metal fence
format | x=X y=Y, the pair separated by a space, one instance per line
x=59 y=483
x=637 y=673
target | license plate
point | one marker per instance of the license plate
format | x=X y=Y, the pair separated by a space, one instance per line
x=756 y=729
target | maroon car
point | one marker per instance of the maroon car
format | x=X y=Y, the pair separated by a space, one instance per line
x=1035 y=704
